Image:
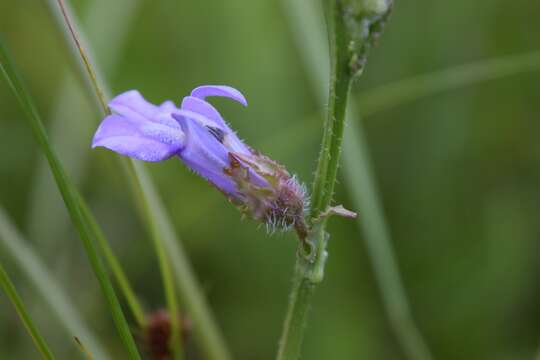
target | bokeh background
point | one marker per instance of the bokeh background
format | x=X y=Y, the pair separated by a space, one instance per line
x=458 y=174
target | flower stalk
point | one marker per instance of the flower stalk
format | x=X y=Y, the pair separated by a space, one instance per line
x=353 y=26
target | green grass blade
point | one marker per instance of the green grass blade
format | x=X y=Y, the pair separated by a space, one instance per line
x=122 y=12
x=416 y=88
x=109 y=22
x=17 y=302
x=113 y=263
x=206 y=330
x=362 y=184
x=17 y=248
x=164 y=263
x=412 y=89
x=70 y=197
x=360 y=181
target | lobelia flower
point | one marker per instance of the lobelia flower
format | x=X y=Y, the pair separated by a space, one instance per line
x=198 y=135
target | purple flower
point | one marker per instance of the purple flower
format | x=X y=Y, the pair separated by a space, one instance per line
x=205 y=143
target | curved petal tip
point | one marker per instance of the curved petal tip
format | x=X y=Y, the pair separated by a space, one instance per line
x=204 y=91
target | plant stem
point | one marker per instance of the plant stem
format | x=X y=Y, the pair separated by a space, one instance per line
x=84 y=57
x=340 y=83
x=205 y=329
x=309 y=268
x=17 y=302
x=309 y=272
x=165 y=268
x=359 y=177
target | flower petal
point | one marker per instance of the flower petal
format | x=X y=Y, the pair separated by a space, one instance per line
x=132 y=105
x=203 y=153
x=202 y=92
x=146 y=141
x=167 y=106
x=197 y=117
x=204 y=108
x=206 y=115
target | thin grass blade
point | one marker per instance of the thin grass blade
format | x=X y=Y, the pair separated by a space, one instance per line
x=15 y=246
x=206 y=330
x=112 y=19
x=70 y=197
x=412 y=89
x=360 y=182
x=409 y=90
x=17 y=302
x=113 y=263
x=163 y=259
x=109 y=22
x=87 y=354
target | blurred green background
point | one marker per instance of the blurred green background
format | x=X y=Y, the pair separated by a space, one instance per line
x=459 y=175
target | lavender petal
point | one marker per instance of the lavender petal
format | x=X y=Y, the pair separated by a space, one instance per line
x=202 y=92
x=146 y=141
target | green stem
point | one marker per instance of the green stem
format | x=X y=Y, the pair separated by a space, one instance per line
x=165 y=268
x=84 y=57
x=296 y=319
x=309 y=268
x=360 y=179
x=205 y=329
x=309 y=271
x=17 y=302
x=340 y=83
